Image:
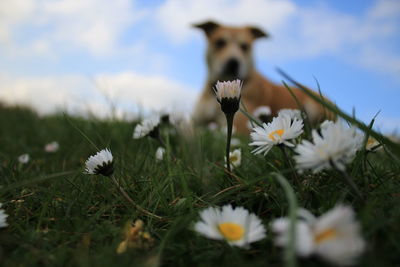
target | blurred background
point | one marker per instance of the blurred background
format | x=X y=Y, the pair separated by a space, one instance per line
x=130 y=56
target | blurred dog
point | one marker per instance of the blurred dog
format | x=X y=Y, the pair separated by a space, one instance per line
x=229 y=57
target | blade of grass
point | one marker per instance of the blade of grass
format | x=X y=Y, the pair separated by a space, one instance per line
x=290 y=256
x=339 y=112
x=34 y=181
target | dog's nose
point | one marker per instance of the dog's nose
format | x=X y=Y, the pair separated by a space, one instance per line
x=232 y=66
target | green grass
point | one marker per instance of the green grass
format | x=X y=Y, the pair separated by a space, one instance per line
x=59 y=216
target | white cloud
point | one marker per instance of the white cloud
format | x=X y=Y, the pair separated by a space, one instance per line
x=321 y=31
x=92 y=25
x=385 y=8
x=176 y=16
x=77 y=94
x=12 y=13
x=152 y=92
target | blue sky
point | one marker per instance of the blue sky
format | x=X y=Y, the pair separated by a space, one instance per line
x=82 y=55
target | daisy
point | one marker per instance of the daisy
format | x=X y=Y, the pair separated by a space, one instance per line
x=101 y=163
x=148 y=127
x=262 y=113
x=292 y=113
x=52 y=147
x=279 y=131
x=24 y=158
x=160 y=153
x=235 y=157
x=334 y=236
x=228 y=89
x=334 y=147
x=236 y=226
x=228 y=95
x=326 y=124
x=3 y=218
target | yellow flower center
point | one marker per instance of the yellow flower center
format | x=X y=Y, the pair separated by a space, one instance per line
x=233 y=158
x=325 y=236
x=231 y=231
x=274 y=133
x=370 y=141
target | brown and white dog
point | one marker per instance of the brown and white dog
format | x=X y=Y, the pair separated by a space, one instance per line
x=229 y=57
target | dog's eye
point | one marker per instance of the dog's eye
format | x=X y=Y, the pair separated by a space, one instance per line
x=244 y=47
x=220 y=43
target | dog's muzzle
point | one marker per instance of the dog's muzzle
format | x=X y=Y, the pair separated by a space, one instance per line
x=231 y=68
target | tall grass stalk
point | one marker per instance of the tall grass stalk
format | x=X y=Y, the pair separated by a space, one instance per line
x=290 y=252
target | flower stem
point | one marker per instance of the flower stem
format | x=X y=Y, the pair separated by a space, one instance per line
x=290 y=253
x=160 y=140
x=229 y=122
x=130 y=200
x=350 y=181
x=289 y=163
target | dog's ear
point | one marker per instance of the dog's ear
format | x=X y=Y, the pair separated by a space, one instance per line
x=207 y=27
x=257 y=32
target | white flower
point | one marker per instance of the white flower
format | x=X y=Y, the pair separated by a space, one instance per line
x=335 y=145
x=334 y=236
x=326 y=124
x=262 y=111
x=228 y=95
x=292 y=113
x=236 y=226
x=24 y=158
x=229 y=89
x=3 y=218
x=147 y=127
x=101 y=163
x=52 y=147
x=279 y=131
x=160 y=153
x=235 y=158
x=303 y=237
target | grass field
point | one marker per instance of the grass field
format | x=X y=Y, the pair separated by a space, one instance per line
x=59 y=216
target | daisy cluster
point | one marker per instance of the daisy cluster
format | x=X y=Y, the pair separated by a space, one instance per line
x=335 y=236
x=102 y=162
x=333 y=145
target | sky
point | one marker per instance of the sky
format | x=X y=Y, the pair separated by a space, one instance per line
x=132 y=56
